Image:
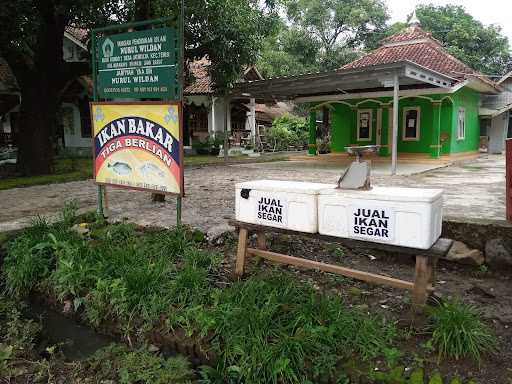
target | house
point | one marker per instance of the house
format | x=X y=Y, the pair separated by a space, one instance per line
x=204 y=112
x=410 y=96
x=496 y=116
x=74 y=125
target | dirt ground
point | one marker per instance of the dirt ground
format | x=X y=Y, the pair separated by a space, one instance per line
x=490 y=293
x=473 y=190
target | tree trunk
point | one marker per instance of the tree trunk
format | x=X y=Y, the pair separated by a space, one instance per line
x=41 y=79
x=36 y=129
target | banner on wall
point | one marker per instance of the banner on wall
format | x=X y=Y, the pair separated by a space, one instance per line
x=138 y=146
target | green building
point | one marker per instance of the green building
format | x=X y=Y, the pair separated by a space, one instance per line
x=438 y=98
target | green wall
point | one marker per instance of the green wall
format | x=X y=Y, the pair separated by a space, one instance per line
x=470 y=101
x=344 y=122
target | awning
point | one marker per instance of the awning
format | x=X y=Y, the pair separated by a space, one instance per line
x=377 y=78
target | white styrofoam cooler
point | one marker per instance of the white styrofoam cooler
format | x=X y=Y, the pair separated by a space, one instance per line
x=409 y=217
x=282 y=204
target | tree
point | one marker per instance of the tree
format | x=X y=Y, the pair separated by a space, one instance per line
x=230 y=32
x=288 y=52
x=32 y=44
x=481 y=47
x=318 y=35
x=338 y=26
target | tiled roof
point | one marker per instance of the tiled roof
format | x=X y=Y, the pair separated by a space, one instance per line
x=415 y=45
x=80 y=34
x=202 y=83
x=7 y=80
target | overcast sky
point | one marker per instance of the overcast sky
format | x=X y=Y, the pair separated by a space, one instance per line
x=487 y=11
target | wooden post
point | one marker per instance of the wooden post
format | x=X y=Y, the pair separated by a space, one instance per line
x=261 y=241
x=422 y=281
x=241 y=253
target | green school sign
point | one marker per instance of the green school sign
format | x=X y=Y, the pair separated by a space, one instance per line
x=139 y=64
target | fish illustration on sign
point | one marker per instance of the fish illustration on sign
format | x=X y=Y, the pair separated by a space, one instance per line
x=121 y=168
x=149 y=169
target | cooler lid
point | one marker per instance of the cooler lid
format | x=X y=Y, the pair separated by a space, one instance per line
x=285 y=186
x=389 y=194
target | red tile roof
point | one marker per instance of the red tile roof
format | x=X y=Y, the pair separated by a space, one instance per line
x=201 y=83
x=7 y=80
x=415 y=45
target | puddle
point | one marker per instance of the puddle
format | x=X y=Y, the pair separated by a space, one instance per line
x=76 y=341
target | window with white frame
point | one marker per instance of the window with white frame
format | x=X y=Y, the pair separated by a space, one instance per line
x=411 y=124
x=461 y=124
x=364 y=125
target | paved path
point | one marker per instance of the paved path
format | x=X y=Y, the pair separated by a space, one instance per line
x=474 y=190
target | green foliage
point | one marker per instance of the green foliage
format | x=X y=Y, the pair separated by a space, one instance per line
x=269 y=328
x=272 y=329
x=321 y=35
x=138 y=366
x=481 y=47
x=288 y=130
x=458 y=331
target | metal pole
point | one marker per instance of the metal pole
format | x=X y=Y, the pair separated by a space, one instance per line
x=396 y=87
x=181 y=86
x=95 y=98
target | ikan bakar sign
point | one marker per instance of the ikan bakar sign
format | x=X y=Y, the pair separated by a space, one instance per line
x=372 y=223
x=138 y=146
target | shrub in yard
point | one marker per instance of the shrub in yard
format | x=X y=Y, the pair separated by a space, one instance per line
x=272 y=329
x=288 y=130
x=119 y=364
x=458 y=331
x=267 y=329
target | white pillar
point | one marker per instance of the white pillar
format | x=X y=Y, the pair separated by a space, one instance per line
x=228 y=118
x=227 y=125
x=213 y=116
x=396 y=87
x=252 y=121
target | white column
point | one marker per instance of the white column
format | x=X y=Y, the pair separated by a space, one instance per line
x=396 y=87
x=213 y=116
x=228 y=118
x=252 y=121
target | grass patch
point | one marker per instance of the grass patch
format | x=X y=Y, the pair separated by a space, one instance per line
x=269 y=328
x=458 y=331
x=20 y=360
x=122 y=365
x=75 y=169
x=66 y=170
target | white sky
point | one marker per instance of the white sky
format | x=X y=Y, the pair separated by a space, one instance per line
x=487 y=11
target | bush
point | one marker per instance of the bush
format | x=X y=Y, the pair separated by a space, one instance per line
x=458 y=331
x=272 y=329
x=267 y=329
x=121 y=365
x=288 y=130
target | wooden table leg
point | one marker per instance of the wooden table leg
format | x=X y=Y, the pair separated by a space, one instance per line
x=421 y=282
x=241 y=252
x=261 y=241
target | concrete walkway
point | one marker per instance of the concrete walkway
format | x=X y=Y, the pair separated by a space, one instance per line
x=473 y=190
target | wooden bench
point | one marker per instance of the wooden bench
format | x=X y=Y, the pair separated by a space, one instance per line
x=426 y=260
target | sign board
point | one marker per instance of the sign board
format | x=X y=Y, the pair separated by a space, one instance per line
x=138 y=146
x=139 y=64
x=371 y=223
x=272 y=210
